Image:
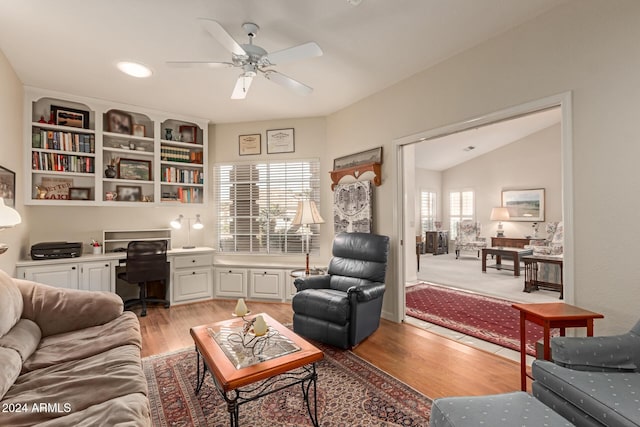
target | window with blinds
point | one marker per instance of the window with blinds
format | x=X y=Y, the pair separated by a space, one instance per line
x=257 y=201
x=461 y=207
x=427 y=210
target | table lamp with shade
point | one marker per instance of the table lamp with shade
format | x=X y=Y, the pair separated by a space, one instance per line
x=9 y=217
x=306 y=215
x=499 y=214
x=197 y=225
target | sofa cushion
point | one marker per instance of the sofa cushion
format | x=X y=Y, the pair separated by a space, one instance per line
x=24 y=338
x=76 y=345
x=58 y=310
x=508 y=409
x=129 y=410
x=76 y=385
x=610 y=398
x=10 y=303
x=9 y=368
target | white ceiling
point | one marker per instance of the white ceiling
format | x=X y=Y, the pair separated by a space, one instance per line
x=445 y=152
x=73 y=45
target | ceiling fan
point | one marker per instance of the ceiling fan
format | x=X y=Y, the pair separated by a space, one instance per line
x=253 y=59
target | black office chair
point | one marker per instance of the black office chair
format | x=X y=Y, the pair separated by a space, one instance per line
x=146 y=262
x=343 y=307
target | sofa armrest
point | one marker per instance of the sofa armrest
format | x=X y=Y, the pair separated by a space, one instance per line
x=367 y=292
x=312 y=282
x=618 y=353
x=59 y=310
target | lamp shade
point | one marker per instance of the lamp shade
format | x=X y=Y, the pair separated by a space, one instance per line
x=499 y=214
x=9 y=217
x=307 y=213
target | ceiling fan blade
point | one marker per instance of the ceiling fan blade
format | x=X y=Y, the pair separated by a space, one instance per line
x=242 y=87
x=222 y=36
x=288 y=82
x=198 y=64
x=303 y=51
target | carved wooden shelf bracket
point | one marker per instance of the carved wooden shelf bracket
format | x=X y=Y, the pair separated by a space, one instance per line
x=366 y=172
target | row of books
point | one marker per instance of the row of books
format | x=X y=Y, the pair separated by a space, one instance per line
x=177 y=154
x=184 y=195
x=64 y=141
x=62 y=162
x=187 y=176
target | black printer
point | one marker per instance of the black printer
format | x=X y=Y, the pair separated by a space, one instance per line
x=55 y=250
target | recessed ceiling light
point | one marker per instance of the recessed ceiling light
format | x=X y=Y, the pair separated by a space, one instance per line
x=469 y=148
x=134 y=69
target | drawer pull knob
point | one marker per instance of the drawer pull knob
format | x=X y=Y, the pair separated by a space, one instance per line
x=73 y=268
x=193 y=260
x=193 y=272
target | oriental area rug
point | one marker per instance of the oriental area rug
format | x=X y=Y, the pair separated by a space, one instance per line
x=351 y=392
x=486 y=318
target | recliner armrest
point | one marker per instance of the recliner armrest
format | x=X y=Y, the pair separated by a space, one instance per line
x=312 y=282
x=617 y=353
x=367 y=292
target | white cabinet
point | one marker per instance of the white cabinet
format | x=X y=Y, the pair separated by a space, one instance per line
x=192 y=277
x=88 y=276
x=95 y=276
x=231 y=282
x=266 y=284
x=58 y=275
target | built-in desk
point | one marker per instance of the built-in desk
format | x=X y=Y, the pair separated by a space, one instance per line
x=191 y=272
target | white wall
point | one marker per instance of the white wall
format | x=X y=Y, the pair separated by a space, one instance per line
x=11 y=158
x=532 y=162
x=584 y=46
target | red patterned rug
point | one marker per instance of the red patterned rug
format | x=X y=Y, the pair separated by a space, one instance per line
x=351 y=392
x=486 y=318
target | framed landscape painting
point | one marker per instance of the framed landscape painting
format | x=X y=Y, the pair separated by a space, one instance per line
x=524 y=205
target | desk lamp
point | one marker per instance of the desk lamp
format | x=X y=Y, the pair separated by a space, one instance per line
x=306 y=215
x=9 y=217
x=499 y=214
x=197 y=225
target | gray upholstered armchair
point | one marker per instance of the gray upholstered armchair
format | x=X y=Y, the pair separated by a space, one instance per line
x=468 y=237
x=592 y=381
x=343 y=307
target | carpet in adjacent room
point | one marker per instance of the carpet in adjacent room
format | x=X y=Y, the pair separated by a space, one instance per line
x=489 y=319
x=351 y=392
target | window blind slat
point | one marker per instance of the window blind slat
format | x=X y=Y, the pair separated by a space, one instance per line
x=257 y=201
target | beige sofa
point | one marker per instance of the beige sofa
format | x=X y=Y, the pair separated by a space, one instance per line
x=68 y=358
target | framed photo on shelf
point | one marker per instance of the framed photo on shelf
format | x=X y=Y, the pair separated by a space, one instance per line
x=55 y=188
x=362 y=158
x=249 y=144
x=524 y=205
x=188 y=133
x=64 y=116
x=8 y=186
x=134 y=169
x=79 y=193
x=138 y=130
x=129 y=193
x=280 y=141
x=119 y=122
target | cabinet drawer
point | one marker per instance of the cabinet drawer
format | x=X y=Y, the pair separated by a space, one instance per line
x=187 y=261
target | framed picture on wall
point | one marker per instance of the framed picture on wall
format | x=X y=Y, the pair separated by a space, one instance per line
x=524 y=205
x=8 y=186
x=249 y=144
x=280 y=141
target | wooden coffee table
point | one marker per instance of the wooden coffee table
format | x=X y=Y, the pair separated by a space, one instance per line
x=237 y=369
x=507 y=252
x=550 y=315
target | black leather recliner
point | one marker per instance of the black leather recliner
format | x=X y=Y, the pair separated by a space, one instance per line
x=343 y=307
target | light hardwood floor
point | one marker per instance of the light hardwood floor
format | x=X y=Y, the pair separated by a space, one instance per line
x=432 y=364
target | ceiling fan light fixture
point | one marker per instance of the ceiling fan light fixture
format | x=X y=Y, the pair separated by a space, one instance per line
x=134 y=69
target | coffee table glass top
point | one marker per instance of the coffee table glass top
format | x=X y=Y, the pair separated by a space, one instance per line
x=247 y=349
